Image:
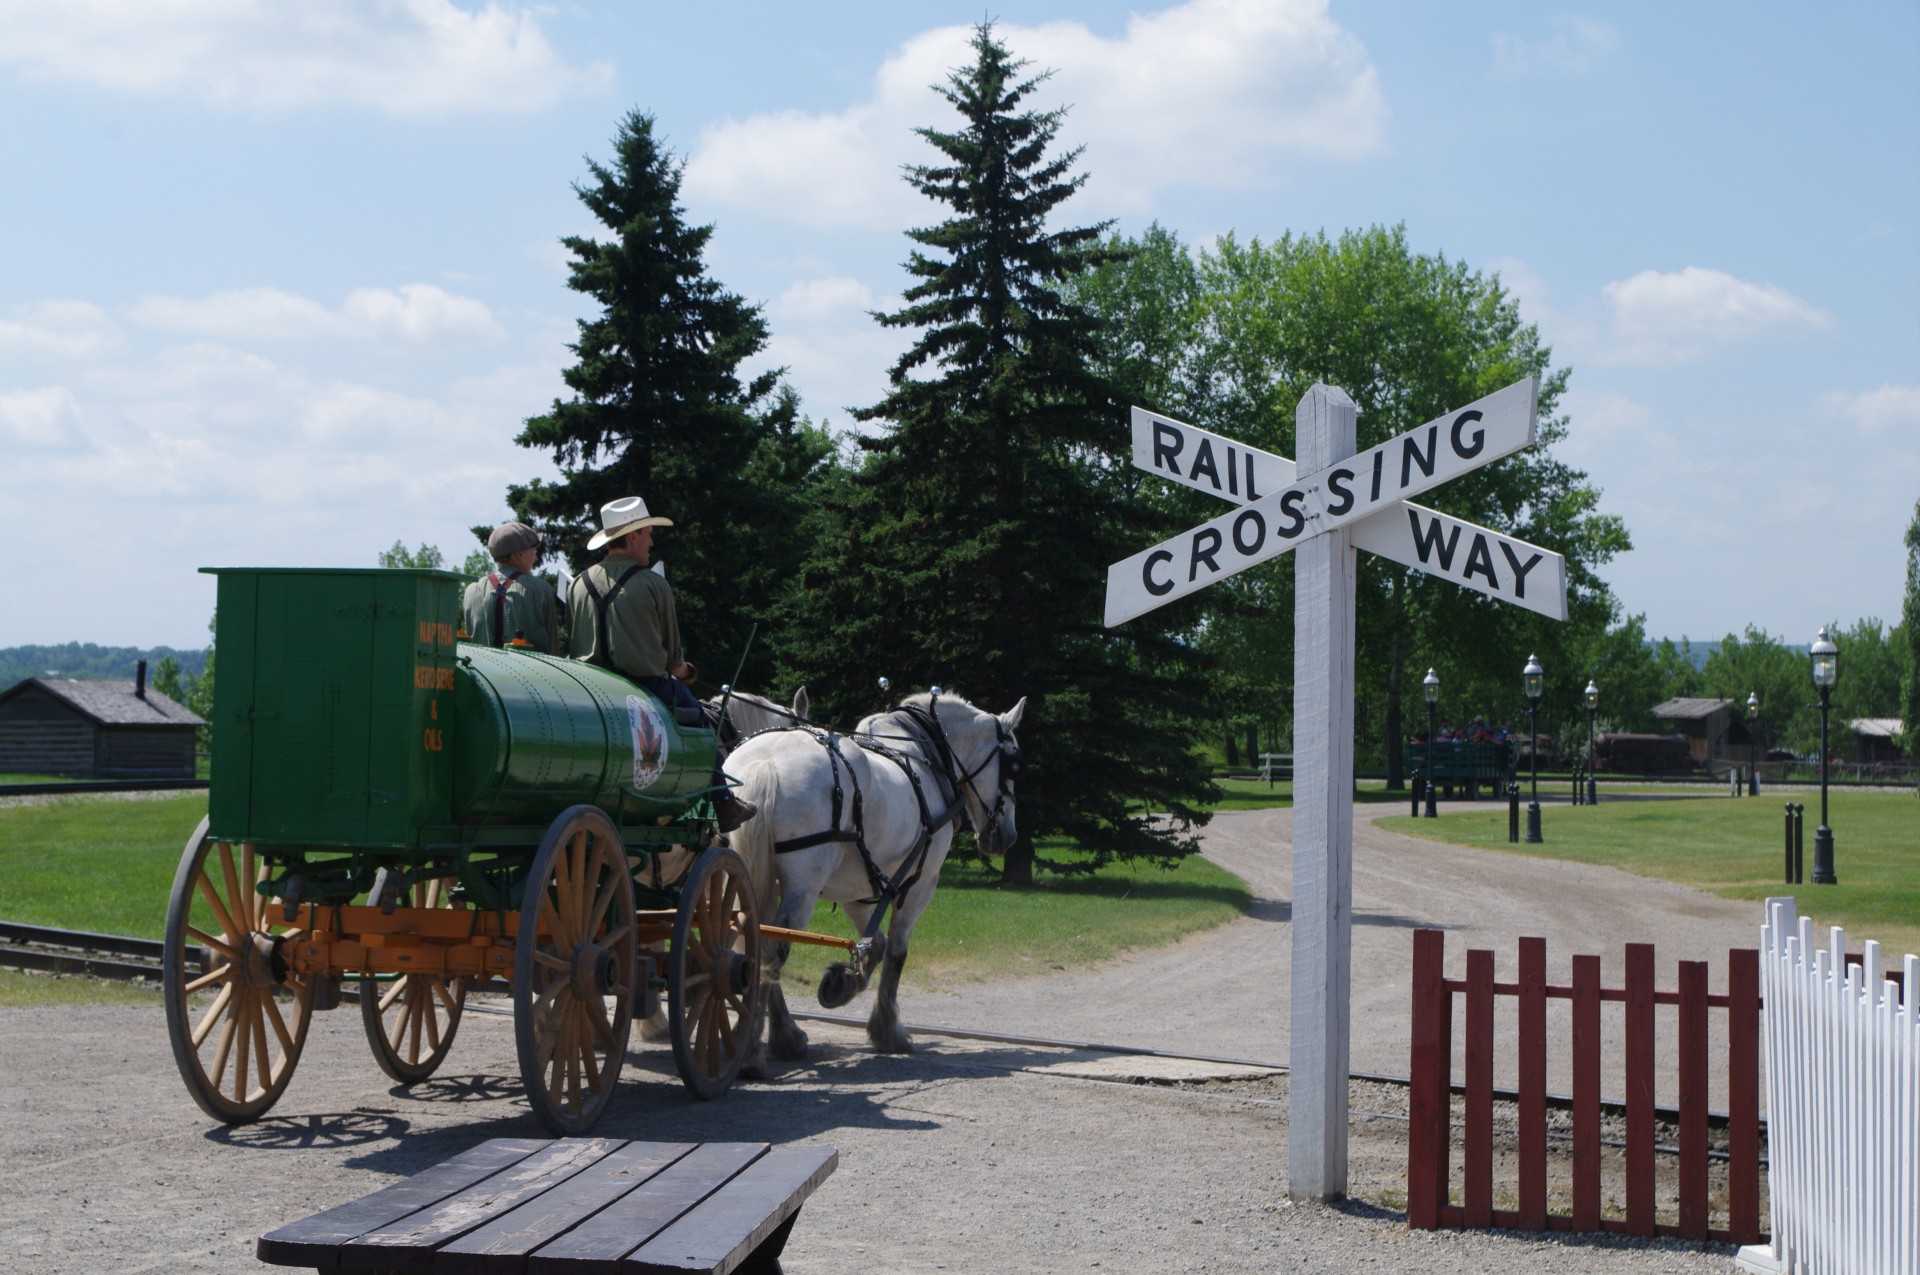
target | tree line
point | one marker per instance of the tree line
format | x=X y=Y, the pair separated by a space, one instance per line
x=961 y=535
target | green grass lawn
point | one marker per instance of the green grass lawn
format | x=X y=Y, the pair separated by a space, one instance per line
x=94 y=862
x=1732 y=847
x=90 y=863
x=977 y=928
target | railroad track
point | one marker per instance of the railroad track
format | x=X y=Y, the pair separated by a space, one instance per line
x=38 y=947
x=74 y=786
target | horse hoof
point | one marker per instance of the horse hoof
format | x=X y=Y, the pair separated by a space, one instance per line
x=839 y=985
x=791 y=1048
x=901 y=1044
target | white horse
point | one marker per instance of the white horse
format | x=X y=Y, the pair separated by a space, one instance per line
x=742 y=713
x=865 y=821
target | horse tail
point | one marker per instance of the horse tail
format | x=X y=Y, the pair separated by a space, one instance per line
x=753 y=840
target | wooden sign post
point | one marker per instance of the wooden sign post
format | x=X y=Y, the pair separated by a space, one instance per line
x=1323 y=507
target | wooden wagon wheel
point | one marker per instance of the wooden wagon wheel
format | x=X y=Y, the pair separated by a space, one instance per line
x=237 y=1029
x=573 y=970
x=713 y=973
x=411 y=1020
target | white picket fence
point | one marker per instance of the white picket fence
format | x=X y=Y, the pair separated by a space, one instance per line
x=1843 y=1105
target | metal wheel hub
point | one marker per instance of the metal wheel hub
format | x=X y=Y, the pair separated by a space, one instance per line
x=731 y=971
x=593 y=972
x=260 y=964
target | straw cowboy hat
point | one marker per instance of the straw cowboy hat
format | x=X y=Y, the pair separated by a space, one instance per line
x=618 y=517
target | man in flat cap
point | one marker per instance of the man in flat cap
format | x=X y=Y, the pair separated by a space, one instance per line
x=510 y=602
x=623 y=618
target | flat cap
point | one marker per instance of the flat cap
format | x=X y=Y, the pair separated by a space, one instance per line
x=510 y=538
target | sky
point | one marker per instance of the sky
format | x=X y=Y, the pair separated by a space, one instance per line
x=279 y=283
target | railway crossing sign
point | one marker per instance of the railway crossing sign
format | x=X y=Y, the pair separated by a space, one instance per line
x=1278 y=509
x=1321 y=508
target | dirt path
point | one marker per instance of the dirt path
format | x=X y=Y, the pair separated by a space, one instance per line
x=961 y=1157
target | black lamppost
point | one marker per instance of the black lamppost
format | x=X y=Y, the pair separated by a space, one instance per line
x=1753 y=744
x=1431 y=685
x=1531 y=678
x=1825 y=659
x=1593 y=707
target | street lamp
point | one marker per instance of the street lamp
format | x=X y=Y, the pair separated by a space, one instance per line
x=1825 y=660
x=1593 y=706
x=1753 y=744
x=1531 y=678
x=1431 y=685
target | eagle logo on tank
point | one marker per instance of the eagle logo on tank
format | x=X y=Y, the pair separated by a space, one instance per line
x=649 y=741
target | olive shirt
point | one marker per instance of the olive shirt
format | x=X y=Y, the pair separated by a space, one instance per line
x=530 y=607
x=642 y=626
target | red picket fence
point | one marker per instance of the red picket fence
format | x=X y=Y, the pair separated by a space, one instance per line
x=1429 y=1138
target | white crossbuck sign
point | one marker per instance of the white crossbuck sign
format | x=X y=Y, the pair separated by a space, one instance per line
x=1279 y=509
x=1333 y=500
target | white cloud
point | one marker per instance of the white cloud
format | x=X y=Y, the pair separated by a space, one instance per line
x=1681 y=316
x=418 y=312
x=61 y=329
x=42 y=420
x=1889 y=409
x=415 y=312
x=1214 y=92
x=823 y=333
x=404 y=57
x=1574 y=46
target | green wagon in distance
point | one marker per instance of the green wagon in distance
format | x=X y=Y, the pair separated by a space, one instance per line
x=422 y=815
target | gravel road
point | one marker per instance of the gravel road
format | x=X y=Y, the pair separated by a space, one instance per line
x=965 y=1156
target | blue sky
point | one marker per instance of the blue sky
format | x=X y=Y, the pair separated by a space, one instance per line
x=278 y=283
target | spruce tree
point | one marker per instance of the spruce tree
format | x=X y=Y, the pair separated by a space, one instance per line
x=970 y=550
x=660 y=410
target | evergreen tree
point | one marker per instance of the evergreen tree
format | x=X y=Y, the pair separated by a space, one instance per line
x=659 y=409
x=970 y=550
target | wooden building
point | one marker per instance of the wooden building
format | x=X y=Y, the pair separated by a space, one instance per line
x=1712 y=726
x=1876 y=741
x=96 y=729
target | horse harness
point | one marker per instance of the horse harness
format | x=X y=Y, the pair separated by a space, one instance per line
x=926 y=731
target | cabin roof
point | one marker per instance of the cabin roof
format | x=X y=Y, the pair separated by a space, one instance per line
x=1689 y=709
x=110 y=701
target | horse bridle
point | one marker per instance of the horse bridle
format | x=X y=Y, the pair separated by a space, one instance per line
x=1006 y=750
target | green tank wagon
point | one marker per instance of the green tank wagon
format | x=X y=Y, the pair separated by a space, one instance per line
x=395 y=806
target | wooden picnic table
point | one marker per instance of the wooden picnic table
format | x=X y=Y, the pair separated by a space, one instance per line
x=584 y=1206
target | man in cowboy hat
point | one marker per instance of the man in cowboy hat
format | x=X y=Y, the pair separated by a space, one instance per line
x=623 y=618
x=510 y=602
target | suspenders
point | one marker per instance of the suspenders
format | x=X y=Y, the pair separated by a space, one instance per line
x=500 y=604
x=602 y=648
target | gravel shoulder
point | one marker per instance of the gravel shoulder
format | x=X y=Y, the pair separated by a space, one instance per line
x=965 y=1156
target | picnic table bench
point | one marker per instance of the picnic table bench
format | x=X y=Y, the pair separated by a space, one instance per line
x=583 y=1206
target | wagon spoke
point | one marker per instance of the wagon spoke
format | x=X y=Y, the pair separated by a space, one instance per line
x=262 y=1055
x=223 y=1052
x=212 y=895
x=602 y=900
x=207 y=940
x=252 y=871
x=279 y=1028
x=214 y=1016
